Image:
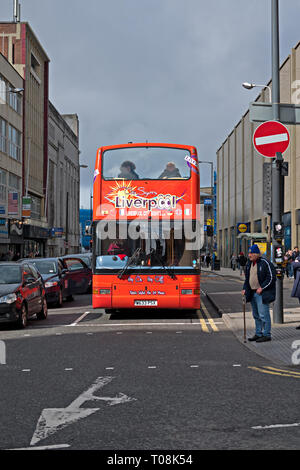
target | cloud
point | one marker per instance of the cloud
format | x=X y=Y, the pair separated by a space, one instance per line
x=162 y=70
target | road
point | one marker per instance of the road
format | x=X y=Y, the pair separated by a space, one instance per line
x=83 y=379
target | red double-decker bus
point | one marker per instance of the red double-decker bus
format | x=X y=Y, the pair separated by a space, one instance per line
x=146 y=227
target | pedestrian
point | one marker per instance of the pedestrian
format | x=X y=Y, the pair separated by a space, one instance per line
x=260 y=289
x=233 y=262
x=16 y=257
x=295 y=253
x=296 y=287
x=242 y=262
x=207 y=260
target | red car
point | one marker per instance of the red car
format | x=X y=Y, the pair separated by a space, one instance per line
x=22 y=294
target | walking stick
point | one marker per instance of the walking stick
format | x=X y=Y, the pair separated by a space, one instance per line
x=244 y=315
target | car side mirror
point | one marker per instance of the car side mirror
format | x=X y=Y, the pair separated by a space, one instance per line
x=64 y=271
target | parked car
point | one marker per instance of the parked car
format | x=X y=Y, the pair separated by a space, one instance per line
x=87 y=259
x=22 y=294
x=62 y=277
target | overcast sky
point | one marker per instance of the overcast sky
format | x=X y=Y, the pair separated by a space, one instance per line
x=156 y=70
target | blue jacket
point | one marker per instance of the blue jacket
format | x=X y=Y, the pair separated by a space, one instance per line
x=266 y=278
x=296 y=286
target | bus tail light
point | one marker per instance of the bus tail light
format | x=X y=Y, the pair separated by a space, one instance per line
x=186 y=291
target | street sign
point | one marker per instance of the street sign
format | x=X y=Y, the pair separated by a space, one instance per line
x=271 y=137
x=262 y=112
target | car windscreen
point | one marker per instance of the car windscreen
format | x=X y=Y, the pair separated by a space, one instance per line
x=10 y=274
x=45 y=266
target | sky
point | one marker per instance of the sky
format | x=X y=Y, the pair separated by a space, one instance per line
x=157 y=70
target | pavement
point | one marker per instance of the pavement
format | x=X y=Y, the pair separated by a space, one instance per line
x=284 y=349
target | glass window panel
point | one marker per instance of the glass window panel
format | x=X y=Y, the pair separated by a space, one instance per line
x=146 y=163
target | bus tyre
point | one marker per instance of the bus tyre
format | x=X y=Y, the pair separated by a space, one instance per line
x=43 y=314
x=22 y=320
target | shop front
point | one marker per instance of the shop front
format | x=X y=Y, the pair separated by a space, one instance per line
x=35 y=238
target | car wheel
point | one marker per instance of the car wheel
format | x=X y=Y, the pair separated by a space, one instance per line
x=60 y=299
x=22 y=320
x=70 y=298
x=43 y=314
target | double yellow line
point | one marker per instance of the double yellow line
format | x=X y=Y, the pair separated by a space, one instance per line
x=208 y=317
x=274 y=371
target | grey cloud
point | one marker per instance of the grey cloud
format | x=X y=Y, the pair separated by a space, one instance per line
x=162 y=70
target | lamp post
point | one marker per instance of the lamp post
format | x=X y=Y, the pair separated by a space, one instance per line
x=249 y=86
x=212 y=189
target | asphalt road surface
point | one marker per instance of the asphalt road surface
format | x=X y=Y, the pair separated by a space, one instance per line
x=85 y=380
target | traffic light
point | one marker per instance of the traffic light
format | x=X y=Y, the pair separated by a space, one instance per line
x=210 y=231
x=278 y=255
x=278 y=231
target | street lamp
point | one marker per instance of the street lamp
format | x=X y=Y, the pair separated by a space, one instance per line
x=249 y=86
x=212 y=187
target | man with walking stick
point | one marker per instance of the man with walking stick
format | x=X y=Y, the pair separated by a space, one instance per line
x=260 y=289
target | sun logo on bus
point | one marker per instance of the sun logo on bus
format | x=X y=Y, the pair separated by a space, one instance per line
x=123 y=190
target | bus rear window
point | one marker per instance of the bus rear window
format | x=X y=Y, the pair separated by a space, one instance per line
x=154 y=163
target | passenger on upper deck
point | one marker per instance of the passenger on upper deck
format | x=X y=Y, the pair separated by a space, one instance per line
x=170 y=171
x=127 y=171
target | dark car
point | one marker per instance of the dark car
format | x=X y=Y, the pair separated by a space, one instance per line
x=22 y=294
x=62 y=277
x=87 y=259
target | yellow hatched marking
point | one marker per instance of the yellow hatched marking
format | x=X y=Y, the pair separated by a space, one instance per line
x=264 y=371
x=211 y=321
x=202 y=322
x=283 y=370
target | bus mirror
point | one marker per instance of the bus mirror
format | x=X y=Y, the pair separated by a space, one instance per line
x=88 y=228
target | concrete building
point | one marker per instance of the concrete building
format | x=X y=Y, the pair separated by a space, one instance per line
x=51 y=226
x=22 y=49
x=240 y=177
x=63 y=184
x=11 y=131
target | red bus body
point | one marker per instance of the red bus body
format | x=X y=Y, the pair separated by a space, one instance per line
x=167 y=273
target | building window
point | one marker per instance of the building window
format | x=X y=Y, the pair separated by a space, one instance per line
x=35 y=207
x=3 y=90
x=3 y=194
x=15 y=100
x=3 y=136
x=14 y=143
x=14 y=181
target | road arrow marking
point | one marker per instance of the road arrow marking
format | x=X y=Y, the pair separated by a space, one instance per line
x=55 y=419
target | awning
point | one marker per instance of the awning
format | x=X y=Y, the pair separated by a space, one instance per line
x=253 y=236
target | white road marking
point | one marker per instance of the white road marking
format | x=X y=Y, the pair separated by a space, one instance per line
x=54 y=419
x=2 y=353
x=26 y=370
x=271 y=139
x=79 y=319
x=57 y=446
x=152 y=367
x=236 y=365
x=276 y=426
x=68 y=368
x=195 y=366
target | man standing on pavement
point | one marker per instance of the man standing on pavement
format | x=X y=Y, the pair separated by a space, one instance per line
x=260 y=290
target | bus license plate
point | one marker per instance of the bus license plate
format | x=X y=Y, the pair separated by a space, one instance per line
x=145 y=303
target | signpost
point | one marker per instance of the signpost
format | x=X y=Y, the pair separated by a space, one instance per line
x=270 y=138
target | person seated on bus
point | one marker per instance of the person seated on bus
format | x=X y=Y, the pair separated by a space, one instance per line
x=170 y=171
x=127 y=171
x=118 y=247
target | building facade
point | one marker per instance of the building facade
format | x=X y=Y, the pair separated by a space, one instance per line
x=11 y=132
x=63 y=186
x=50 y=183
x=240 y=182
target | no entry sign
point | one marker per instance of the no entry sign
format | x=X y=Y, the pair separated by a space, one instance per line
x=271 y=137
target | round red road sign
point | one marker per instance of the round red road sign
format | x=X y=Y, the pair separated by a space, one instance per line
x=271 y=137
